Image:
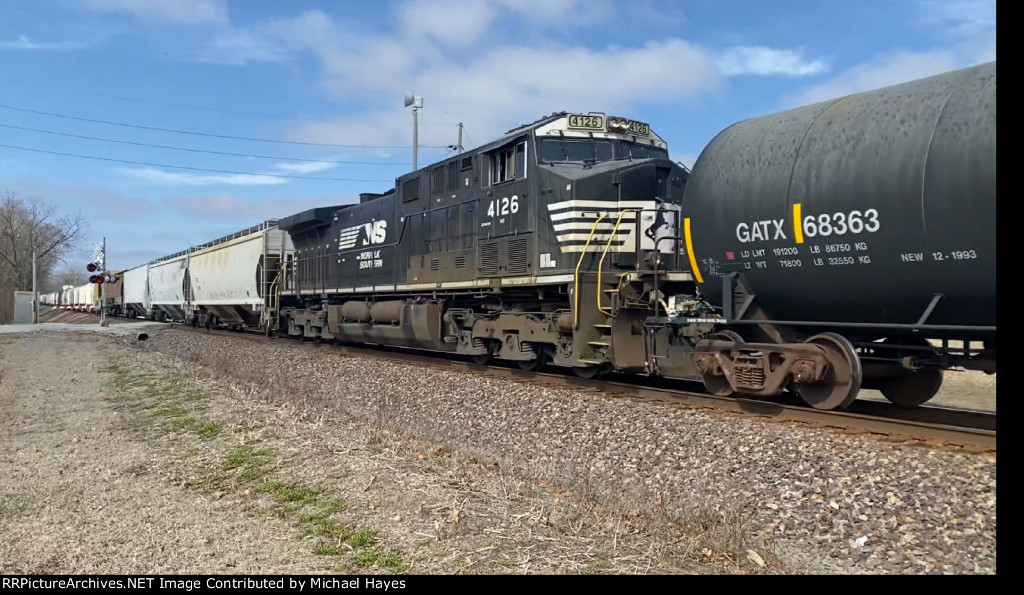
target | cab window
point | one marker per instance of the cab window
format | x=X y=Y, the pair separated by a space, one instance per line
x=645 y=152
x=509 y=163
x=555 y=150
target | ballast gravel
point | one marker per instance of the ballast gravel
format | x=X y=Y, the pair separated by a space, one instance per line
x=829 y=501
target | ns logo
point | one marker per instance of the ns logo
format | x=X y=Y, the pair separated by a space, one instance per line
x=372 y=233
x=376 y=232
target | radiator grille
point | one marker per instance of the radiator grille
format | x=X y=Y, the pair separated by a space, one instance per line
x=460 y=262
x=435 y=264
x=489 y=259
x=518 y=257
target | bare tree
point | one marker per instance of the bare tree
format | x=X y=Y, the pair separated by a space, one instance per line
x=68 y=276
x=28 y=224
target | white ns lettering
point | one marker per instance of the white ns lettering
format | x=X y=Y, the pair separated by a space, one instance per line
x=376 y=232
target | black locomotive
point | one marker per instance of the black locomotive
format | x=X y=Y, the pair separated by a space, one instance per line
x=554 y=243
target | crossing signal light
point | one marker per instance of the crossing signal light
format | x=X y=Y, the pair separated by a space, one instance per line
x=92 y=267
x=103 y=278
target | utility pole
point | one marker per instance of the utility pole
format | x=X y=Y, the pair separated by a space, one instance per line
x=459 y=146
x=35 y=292
x=416 y=103
x=415 y=136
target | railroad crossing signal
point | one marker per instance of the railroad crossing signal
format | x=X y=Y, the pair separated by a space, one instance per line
x=103 y=278
x=92 y=267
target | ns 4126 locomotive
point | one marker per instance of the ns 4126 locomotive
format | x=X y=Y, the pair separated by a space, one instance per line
x=553 y=244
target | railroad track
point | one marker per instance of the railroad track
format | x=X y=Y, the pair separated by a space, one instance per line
x=967 y=429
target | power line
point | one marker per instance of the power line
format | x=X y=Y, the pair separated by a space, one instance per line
x=187 y=106
x=208 y=134
x=193 y=150
x=216 y=171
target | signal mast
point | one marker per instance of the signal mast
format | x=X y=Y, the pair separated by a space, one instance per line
x=101 y=276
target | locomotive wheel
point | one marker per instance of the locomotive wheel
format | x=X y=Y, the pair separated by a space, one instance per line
x=533 y=365
x=718 y=384
x=591 y=372
x=482 y=360
x=841 y=382
x=910 y=388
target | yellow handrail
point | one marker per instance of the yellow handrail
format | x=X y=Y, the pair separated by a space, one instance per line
x=576 y=276
x=600 y=265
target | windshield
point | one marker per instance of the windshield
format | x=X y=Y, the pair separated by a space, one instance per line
x=644 y=152
x=555 y=150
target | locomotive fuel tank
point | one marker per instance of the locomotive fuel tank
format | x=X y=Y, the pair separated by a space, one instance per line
x=857 y=210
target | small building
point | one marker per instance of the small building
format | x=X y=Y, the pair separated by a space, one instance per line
x=22 y=307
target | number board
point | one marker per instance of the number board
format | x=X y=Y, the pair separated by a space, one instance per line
x=586 y=122
x=639 y=128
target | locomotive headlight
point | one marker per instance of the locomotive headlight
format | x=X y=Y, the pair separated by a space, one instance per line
x=618 y=123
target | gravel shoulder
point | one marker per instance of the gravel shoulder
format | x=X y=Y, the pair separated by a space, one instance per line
x=323 y=461
x=79 y=493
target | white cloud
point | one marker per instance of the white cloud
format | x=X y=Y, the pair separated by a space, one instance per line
x=462 y=22
x=491 y=89
x=311 y=167
x=889 y=70
x=968 y=31
x=159 y=176
x=961 y=18
x=765 y=61
x=186 y=12
x=24 y=44
x=230 y=207
x=454 y=22
x=239 y=47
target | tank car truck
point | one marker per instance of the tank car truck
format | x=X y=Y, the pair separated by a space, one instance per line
x=850 y=244
x=552 y=244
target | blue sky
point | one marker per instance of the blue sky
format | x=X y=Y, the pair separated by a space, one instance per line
x=333 y=73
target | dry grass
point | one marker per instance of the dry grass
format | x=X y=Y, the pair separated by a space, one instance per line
x=424 y=507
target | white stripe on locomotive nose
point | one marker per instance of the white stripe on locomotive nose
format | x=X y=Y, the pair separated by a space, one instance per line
x=624 y=227
x=601 y=238
x=624 y=204
x=592 y=216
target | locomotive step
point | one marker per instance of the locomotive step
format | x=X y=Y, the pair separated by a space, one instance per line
x=599 y=343
x=603 y=326
x=594 y=362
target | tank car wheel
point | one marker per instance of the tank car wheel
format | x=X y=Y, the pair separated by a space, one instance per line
x=910 y=388
x=841 y=382
x=718 y=384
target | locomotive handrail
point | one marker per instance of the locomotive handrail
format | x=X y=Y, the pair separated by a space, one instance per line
x=600 y=265
x=576 y=276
